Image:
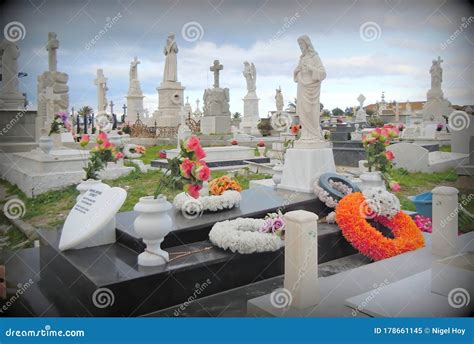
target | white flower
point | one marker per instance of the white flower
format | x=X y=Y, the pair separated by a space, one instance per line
x=382 y=202
x=227 y=200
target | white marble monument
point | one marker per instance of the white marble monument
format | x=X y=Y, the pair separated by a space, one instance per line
x=216 y=119
x=170 y=91
x=311 y=155
x=135 y=94
x=101 y=83
x=361 y=115
x=10 y=96
x=53 y=91
x=279 y=103
x=251 y=115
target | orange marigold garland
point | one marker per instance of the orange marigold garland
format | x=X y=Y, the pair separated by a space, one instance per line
x=367 y=239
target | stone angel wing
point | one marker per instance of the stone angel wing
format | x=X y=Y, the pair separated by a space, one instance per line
x=254 y=72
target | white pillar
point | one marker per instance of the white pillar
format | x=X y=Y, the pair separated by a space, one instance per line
x=301 y=258
x=445 y=221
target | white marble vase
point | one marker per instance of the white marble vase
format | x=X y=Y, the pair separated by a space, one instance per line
x=46 y=144
x=371 y=180
x=277 y=174
x=153 y=224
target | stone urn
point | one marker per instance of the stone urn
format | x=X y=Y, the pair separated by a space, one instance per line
x=153 y=224
x=277 y=174
x=261 y=151
x=371 y=180
x=46 y=144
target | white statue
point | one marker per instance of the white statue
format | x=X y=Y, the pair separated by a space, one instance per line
x=9 y=53
x=308 y=75
x=133 y=74
x=250 y=75
x=51 y=47
x=171 y=61
x=436 y=74
x=101 y=82
x=279 y=100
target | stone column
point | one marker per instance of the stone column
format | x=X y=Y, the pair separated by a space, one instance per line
x=301 y=258
x=445 y=221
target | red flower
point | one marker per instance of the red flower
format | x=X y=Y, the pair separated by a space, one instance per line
x=261 y=143
x=389 y=155
x=193 y=190
x=119 y=156
x=192 y=144
x=108 y=144
x=394 y=186
x=200 y=153
x=162 y=154
x=295 y=129
x=201 y=171
x=85 y=139
x=102 y=137
x=186 y=168
x=234 y=142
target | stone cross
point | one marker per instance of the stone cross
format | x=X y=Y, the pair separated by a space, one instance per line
x=445 y=221
x=361 y=100
x=111 y=107
x=301 y=258
x=101 y=82
x=124 y=107
x=216 y=67
x=51 y=47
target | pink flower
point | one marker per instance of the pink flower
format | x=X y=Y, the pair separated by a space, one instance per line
x=193 y=190
x=101 y=137
x=202 y=172
x=119 y=156
x=108 y=144
x=200 y=153
x=85 y=139
x=234 y=142
x=186 y=168
x=371 y=140
x=192 y=144
x=394 y=186
x=162 y=154
x=278 y=224
x=389 y=155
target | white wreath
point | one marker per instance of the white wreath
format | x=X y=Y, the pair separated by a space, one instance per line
x=242 y=235
x=227 y=200
x=127 y=151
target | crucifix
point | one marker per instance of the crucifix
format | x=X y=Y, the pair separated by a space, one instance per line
x=124 y=107
x=111 y=107
x=216 y=67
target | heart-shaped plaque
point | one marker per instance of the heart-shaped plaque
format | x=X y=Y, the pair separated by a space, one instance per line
x=90 y=214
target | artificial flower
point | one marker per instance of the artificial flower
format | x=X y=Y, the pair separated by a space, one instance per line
x=200 y=153
x=193 y=190
x=186 y=168
x=192 y=144
x=394 y=186
x=201 y=171
x=389 y=155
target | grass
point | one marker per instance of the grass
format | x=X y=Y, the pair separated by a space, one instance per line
x=153 y=151
x=445 y=148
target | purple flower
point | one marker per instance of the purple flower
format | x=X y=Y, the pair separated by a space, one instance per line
x=267 y=226
x=278 y=224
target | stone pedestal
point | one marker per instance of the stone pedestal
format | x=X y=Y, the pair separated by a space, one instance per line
x=215 y=125
x=15 y=101
x=435 y=107
x=251 y=114
x=301 y=258
x=135 y=105
x=445 y=221
x=170 y=101
x=303 y=167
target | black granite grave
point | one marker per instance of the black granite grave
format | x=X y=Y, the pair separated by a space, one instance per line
x=163 y=163
x=139 y=290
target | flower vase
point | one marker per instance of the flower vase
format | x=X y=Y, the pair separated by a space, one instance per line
x=371 y=180
x=153 y=224
x=46 y=144
x=261 y=151
x=277 y=174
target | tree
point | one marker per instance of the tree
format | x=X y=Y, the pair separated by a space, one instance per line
x=85 y=111
x=370 y=112
x=337 y=112
x=291 y=106
x=349 y=111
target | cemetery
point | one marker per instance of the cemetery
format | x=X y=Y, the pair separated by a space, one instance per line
x=112 y=207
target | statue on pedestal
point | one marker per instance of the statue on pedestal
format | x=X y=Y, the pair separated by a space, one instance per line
x=171 y=62
x=250 y=75
x=279 y=100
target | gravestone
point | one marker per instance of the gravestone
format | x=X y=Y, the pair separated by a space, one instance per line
x=10 y=96
x=135 y=94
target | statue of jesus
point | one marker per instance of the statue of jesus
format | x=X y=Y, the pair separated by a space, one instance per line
x=308 y=75
x=171 y=61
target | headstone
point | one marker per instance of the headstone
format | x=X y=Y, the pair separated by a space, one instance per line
x=216 y=119
x=251 y=114
x=101 y=83
x=361 y=115
x=52 y=90
x=135 y=94
x=301 y=258
x=197 y=113
x=10 y=96
x=170 y=91
x=85 y=223
x=445 y=221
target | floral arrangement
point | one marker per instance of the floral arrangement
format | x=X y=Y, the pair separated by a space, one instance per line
x=295 y=130
x=439 y=127
x=423 y=223
x=103 y=152
x=234 y=142
x=275 y=224
x=133 y=151
x=329 y=201
x=378 y=157
x=219 y=185
x=261 y=143
x=352 y=218
x=186 y=171
x=191 y=207
x=162 y=154
x=244 y=235
x=380 y=202
x=60 y=124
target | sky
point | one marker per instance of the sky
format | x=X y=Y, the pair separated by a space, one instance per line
x=366 y=46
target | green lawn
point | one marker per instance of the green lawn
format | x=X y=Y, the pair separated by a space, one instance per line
x=153 y=151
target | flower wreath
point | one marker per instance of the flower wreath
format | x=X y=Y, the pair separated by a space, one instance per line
x=328 y=200
x=245 y=236
x=368 y=240
x=228 y=200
